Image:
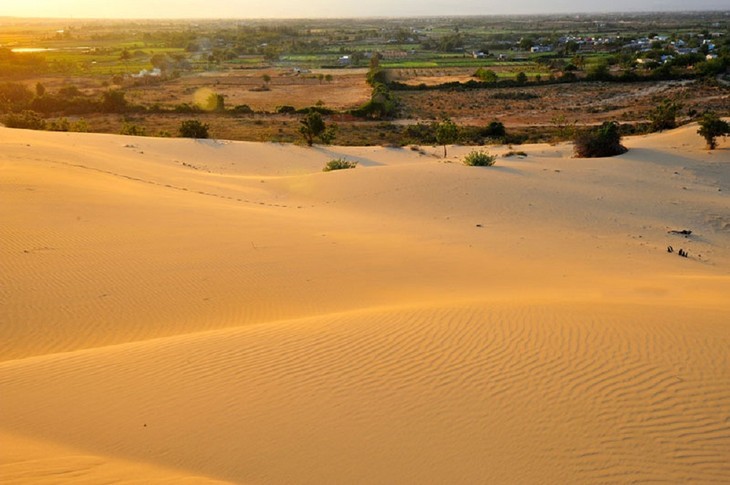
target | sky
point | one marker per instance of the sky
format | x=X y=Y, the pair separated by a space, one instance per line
x=333 y=8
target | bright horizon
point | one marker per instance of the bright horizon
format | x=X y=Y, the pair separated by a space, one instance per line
x=334 y=9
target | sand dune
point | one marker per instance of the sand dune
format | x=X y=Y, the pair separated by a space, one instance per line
x=190 y=311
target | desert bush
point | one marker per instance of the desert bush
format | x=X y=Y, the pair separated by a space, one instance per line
x=479 y=159
x=242 y=109
x=113 y=101
x=338 y=164
x=664 y=116
x=133 y=130
x=61 y=124
x=193 y=129
x=187 y=108
x=604 y=141
x=27 y=119
x=712 y=127
x=495 y=129
x=286 y=109
x=513 y=153
x=80 y=126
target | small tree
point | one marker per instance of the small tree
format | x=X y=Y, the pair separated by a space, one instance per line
x=312 y=125
x=193 y=129
x=446 y=133
x=40 y=89
x=113 y=101
x=711 y=126
x=486 y=75
x=604 y=141
x=267 y=79
x=664 y=116
x=521 y=77
x=495 y=129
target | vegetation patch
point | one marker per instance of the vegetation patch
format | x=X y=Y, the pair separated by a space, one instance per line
x=479 y=159
x=339 y=164
x=193 y=129
x=604 y=141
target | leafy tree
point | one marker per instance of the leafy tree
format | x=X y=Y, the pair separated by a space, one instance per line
x=113 y=101
x=711 y=127
x=526 y=43
x=521 y=77
x=40 y=89
x=495 y=129
x=446 y=133
x=311 y=126
x=664 y=116
x=486 y=75
x=604 y=141
x=193 y=129
x=267 y=79
x=13 y=95
x=599 y=72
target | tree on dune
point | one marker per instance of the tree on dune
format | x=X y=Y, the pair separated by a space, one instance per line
x=711 y=127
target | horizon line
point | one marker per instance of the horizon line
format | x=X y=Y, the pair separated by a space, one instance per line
x=377 y=17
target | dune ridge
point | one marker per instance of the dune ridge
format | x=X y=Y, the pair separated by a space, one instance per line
x=204 y=311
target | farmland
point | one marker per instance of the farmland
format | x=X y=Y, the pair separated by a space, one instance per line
x=533 y=74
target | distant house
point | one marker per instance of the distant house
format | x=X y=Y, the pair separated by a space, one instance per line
x=541 y=48
x=478 y=55
x=156 y=72
x=344 y=61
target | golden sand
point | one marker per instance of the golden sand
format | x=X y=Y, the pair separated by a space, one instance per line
x=182 y=311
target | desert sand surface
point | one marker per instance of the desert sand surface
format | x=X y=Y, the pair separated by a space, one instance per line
x=202 y=311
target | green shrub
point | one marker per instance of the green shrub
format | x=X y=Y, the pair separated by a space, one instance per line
x=80 y=126
x=242 y=109
x=61 y=124
x=133 y=130
x=604 y=141
x=479 y=159
x=27 y=119
x=193 y=129
x=664 y=116
x=338 y=164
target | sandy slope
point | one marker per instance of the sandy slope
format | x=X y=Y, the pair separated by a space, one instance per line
x=200 y=310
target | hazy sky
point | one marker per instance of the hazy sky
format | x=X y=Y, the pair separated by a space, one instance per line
x=331 y=8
